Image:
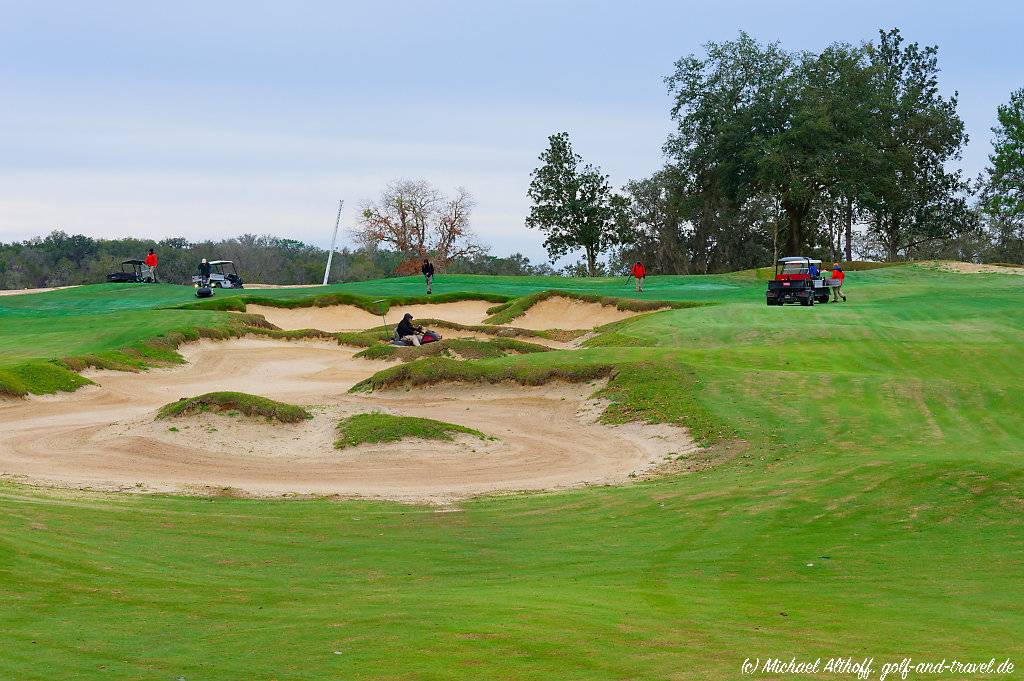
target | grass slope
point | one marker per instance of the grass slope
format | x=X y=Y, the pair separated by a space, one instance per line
x=243 y=403
x=873 y=507
x=374 y=428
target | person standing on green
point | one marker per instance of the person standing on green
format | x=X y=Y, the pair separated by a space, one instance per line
x=428 y=274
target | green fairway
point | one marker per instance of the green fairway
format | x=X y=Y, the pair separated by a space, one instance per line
x=866 y=499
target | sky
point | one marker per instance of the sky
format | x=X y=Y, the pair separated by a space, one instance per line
x=213 y=119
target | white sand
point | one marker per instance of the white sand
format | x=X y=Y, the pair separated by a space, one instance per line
x=105 y=436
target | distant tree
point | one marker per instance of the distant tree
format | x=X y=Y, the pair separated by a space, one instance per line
x=912 y=198
x=1002 y=183
x=573 y=204
x=418 y=220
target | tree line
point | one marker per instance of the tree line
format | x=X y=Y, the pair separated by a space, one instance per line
x=850 y=150
x=60 y=259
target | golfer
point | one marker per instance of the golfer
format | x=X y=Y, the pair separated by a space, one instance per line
x=409 y=332
x=204 y=271
x=151 y=264
x=639 y=273
x=839 y=276
x=428 y=275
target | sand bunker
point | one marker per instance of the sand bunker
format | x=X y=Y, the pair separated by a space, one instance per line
x=566 y=313
x=974 y=268
x=551 y=313
x=105 y=436
x=351 y=318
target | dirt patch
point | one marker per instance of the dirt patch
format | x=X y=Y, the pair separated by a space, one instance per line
x=566 y=313
x=105 y=436
x=351 y=318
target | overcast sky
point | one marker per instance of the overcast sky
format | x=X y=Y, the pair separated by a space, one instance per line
x=215 y=119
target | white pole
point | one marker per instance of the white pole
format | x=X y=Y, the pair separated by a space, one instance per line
x=334 y=240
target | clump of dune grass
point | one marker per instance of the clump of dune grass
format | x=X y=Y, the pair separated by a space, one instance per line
x=243 y=403
x=374 y=428
x=464 y=348
x=434 y=370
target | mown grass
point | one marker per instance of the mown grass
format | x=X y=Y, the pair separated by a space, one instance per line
x=873 y=508
x=376 y=427
x=243 y=403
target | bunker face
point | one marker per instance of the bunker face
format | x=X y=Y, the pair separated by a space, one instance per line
x=351 y=318
x=566 y=313
x=105 y=436
x=551 y=313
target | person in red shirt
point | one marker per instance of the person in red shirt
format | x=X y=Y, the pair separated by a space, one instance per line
x=151 y=264
x=839 y=276
x=639 y=273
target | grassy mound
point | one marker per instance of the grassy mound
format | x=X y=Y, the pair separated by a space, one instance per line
x=244 y=403
x=433 y=370
x=466 y=348
x=505 y=313
x=563 y=335
x=376 y=428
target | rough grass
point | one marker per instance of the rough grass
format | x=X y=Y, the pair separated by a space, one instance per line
x=374 y=428
x=464 y=348
x=562 y=335
x=434 y=370
x=244 y=403
x=506 y=312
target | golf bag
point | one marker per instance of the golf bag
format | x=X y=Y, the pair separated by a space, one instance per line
x=204 y=290
x=428 y=337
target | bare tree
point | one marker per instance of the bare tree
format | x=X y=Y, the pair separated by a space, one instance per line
x=418 y=220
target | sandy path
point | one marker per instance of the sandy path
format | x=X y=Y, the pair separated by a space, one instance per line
x=105 y=437
x=24 y=291
x=566 y=313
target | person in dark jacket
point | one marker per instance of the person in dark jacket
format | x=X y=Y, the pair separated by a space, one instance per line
x=409 y=332
x=428 y=274
x=204 y=271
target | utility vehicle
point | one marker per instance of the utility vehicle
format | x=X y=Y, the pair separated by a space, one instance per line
x=132 y=272
x=793 y=283
x=222 y=275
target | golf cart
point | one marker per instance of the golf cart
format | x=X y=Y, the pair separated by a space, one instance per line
x=132 y=272
x=793 y=283
x=222 y=275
